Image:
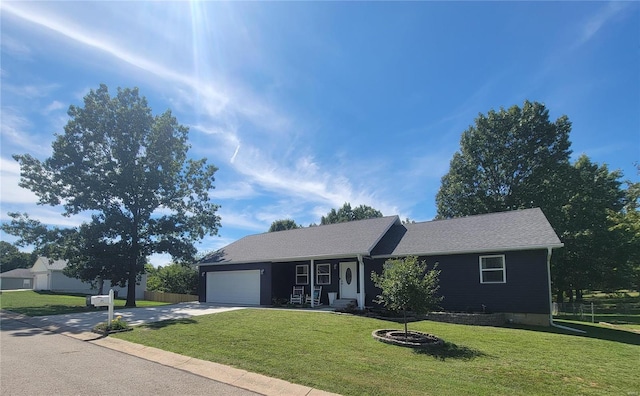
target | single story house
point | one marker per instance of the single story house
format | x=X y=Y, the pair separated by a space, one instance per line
x=496 y=262
x=48 y=275
x=19 y=278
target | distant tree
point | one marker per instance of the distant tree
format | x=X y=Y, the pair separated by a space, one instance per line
x=129 y=169
x=626 y=225
x=408 y=221
x=510 y=159
x=282 y=225
x=173 y=278
x=591 y=257
x=407 y=285
x=12 y=258
x=345 y=213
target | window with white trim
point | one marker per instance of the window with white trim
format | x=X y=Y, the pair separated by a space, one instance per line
x=493 y=269
x=323 y=274
x=302 y=274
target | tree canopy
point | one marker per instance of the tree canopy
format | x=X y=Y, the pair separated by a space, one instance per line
x=173 y=278
x=129 y=169
x=590 y=258
x=510 y=159
x=11 y=257
x=346 y=213
x=282 y=225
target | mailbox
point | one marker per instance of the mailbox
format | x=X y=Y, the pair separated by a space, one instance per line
x=100 y=301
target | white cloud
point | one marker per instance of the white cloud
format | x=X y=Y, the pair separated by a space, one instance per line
x=14 y=46
x=234 y=190
x=228 y=112
x=243 y=221
x=605 y=15
x=53 y=106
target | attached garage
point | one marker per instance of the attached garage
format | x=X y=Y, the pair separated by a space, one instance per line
x=234 y=287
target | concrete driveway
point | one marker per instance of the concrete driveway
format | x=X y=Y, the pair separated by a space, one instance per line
x=85 y=321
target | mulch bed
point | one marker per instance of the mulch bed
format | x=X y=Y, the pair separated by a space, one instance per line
x=413 y=339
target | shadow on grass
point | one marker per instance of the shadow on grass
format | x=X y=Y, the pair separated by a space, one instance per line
x=590 y=331
x=52 y=310
x=451 y=351
x=167 y=323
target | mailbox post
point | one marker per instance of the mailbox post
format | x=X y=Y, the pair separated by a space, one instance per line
x=105 y=301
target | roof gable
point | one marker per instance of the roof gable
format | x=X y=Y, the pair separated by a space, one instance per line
x=514 y=230
x=43 y=264
x=325 y=241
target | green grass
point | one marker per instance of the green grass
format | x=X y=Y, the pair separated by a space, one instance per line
x=337 y=353
x=40 y=303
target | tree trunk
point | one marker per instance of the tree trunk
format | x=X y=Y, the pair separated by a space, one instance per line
x=131 y=284
x=406 y=332
x=133 y=264
x=570 y=295
x=100 y=285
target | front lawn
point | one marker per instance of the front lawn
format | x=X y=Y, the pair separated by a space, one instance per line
x=337 y=353
x=40 y=303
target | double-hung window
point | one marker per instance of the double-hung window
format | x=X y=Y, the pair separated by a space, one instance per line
x=323 y=274
x=302 y=274
x=493 y=269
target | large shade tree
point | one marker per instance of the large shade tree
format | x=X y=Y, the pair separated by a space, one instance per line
x=346 y=213
x=510 y=159
x=129 y=169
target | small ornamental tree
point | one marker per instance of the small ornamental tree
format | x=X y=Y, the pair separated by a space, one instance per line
x=407 y=285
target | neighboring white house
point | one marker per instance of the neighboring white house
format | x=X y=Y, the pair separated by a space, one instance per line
x=49 y=275
x=19 y=278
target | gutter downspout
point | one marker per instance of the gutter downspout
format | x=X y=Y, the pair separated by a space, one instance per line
x=361 y=281
x=312 y=275
x=551 y=323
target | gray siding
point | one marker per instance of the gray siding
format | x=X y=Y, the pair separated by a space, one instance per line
x=15 y=283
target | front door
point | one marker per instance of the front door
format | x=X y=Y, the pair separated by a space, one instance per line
x=348 y=280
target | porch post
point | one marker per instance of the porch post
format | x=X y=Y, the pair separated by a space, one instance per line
x=361 y=281
x=312 y=276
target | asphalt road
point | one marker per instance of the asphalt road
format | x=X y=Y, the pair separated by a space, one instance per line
x=37 y=362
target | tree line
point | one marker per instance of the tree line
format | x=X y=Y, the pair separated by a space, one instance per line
x=129 y=170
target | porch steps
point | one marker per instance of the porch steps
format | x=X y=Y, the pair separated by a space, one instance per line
x=345 y=303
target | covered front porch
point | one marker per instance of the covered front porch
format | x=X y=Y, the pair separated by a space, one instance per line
x=341 y=279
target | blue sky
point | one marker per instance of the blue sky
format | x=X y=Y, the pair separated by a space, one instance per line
x=305 y=106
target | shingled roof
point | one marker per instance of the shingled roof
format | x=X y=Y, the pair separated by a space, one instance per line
x=503 y=231
x=387 y=237
x=322 y=242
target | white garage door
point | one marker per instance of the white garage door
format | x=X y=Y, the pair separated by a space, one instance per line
x=41 y=282
x=234 y=287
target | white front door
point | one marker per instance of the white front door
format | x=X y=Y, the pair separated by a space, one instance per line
x=348 y=280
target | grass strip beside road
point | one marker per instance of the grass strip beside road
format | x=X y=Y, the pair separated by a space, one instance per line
x=41 y=303
x=337 y=353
